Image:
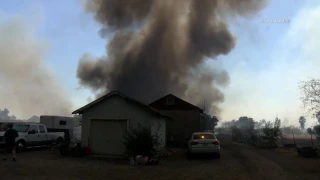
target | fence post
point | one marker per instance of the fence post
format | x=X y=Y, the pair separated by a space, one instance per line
x=282 y=140
x=293 y=137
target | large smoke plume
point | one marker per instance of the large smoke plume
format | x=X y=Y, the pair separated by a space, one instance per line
x=158 y=47
x=27 y=86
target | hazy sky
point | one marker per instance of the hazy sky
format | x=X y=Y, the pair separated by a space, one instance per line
x=265 y=67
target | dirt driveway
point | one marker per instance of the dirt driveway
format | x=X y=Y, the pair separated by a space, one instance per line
x=237 y=162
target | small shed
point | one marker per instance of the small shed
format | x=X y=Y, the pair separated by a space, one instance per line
x=106 y=120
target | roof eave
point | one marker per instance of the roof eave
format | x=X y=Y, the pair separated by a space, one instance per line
x=76 y=112
x=196 y=107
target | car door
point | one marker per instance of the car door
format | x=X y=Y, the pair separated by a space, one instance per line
x=33 y=135
x=42 y=135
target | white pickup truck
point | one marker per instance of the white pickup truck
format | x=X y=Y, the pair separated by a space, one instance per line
x=33 y=134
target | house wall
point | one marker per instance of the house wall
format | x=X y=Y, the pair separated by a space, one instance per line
x=184 y=123
x=118 y=108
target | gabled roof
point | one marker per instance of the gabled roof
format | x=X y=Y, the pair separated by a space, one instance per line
x=117 y=93
x=179 y=104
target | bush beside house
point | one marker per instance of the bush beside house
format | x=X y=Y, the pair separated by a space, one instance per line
x=141 y=141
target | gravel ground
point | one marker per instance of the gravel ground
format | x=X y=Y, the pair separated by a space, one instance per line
x=237 y=162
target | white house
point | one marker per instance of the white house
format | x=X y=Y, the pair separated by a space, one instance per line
x=106 y=120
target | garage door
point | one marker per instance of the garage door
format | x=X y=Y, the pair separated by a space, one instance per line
x=106 y=136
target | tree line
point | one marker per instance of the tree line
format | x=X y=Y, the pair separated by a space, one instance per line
x=247 y=129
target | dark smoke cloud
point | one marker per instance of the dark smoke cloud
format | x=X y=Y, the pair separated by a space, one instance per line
x=160 y=47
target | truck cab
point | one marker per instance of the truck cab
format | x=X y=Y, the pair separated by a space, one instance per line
x=33 y=134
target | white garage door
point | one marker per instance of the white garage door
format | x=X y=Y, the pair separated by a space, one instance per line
x=106 y=136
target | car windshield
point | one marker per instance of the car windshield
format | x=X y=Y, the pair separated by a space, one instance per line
x=204 y=136
x=21 y=128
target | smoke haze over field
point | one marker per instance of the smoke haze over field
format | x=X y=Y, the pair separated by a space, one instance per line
x=161 y=46
x=27 y=86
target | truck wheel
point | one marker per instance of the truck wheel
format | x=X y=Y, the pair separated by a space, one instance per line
x=20 y=146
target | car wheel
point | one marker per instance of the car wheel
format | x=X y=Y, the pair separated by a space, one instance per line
x=20 y=146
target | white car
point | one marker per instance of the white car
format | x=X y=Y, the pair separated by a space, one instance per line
x=203 y=143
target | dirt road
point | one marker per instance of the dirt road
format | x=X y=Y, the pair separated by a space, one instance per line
x=237 y=162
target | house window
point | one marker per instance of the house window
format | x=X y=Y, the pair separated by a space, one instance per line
x=170 y=100
x=63 y=123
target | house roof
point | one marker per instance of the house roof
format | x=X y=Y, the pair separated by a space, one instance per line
x=117 y=93
x=179 y=104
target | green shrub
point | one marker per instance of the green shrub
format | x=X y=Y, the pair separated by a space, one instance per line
x=243 y=130
x=272 y=133
x=141 y=141
x=316 y=131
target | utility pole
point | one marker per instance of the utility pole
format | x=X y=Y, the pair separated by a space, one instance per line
x=311 y=135
x=311 y=138
x=293 y=137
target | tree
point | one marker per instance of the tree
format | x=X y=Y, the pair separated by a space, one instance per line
x=277 y=123
x=302 y=121
x=316 y=131
x=310 y=96
x=208 y=122
x=318 y=116
x=260 y=124
x=4 y=115
x=214 y=122
x=290 y=129
x=309 y=131
x=245 y=122
x=272 y=133
x=228 y=124
x=243 y=130
x=226 y=127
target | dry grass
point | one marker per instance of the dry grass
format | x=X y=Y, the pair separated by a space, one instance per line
x=237 y=162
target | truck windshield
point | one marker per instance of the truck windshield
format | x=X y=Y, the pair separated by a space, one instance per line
x=21 y=128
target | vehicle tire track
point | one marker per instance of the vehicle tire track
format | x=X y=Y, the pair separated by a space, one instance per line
x=255 y=165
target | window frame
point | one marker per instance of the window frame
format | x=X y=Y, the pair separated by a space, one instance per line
x=37 y=128
x=44 y=129
x=62 y=123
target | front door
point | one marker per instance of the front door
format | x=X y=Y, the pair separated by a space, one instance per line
x=42 y=135
x=33 y=138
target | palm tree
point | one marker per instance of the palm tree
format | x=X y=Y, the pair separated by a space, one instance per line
x=302 y=121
